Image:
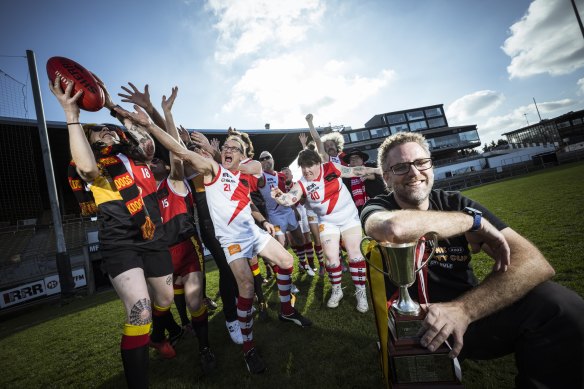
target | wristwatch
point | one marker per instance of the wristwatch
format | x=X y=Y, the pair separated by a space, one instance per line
x=477 y=216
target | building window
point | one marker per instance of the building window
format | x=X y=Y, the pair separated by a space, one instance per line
x=564 y=124
x=416 y=126
x=399 y=128
x=436 y=122
x=577 y=121
x=379 y=132
x=346 y=138
x=415 y=115
x=359 y=136
x=433 y=112
x=397 y=118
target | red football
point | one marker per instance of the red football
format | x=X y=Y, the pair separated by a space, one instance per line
x=93 y=97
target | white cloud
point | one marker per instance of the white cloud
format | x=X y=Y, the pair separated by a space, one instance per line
x=493 y=127
x=546 y=40
x=580 y=84
x=248 y=26
x=284 y=89
x=477 y=104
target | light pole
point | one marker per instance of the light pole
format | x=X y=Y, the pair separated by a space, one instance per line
x=578 y=17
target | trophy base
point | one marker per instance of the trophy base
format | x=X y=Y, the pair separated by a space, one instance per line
x=405 y=330
x=416 y=367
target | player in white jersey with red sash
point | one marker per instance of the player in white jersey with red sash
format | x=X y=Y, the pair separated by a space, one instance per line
x=328 y=197
x=227 y=193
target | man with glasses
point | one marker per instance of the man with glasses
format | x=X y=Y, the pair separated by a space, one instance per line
x=515 y=309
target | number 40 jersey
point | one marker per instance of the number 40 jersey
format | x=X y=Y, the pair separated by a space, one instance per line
x=328 y=197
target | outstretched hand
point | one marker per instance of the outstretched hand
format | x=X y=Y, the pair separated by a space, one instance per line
x=184 y=135
x=134 y=96
x=167 y=103
x=215 y=144
x=200 y=140
x=303 y=138
x=139 y=117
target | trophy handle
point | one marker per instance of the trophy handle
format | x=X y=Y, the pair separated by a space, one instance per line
x=364 y=243
x=434 y=236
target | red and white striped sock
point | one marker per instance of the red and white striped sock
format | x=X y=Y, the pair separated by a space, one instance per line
x=299 y=251
x=319 y=255
x=284 y=280
x=335 y=274
x=245 y=318
x=358 y=271
x=309 y=254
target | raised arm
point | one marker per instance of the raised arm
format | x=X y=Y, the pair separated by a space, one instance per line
x=290 y=198
x=203 y=165
x=203 y=143
x=81 y=151
x=251 y=167
x=357 y=171
x=316 y=137
x=142 y=99
x=177 y=174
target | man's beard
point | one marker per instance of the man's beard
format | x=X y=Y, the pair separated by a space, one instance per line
x=414 y=196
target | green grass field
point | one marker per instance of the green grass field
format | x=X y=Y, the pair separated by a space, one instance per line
x=77 y=345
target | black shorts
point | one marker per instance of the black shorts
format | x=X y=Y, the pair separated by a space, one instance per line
x=154 y=262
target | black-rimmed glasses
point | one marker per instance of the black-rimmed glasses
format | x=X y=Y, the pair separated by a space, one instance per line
x=404 y=167
x=231 y=149
x=264 y=158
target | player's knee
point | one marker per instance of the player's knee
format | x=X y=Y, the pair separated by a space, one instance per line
x=141 y=312
x=287 y=260
x=246 y=287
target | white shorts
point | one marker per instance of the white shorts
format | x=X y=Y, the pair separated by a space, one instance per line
x=303 y=219
x=311 y=216
x=284 y=222
x=247 y=248
x=329 y=228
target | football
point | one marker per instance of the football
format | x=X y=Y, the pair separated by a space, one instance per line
x=93 y=97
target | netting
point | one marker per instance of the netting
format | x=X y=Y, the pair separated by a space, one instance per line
x=12 y=97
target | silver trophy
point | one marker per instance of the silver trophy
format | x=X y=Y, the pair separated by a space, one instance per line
x=401 y=264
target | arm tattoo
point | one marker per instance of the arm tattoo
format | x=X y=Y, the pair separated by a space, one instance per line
x=345 y=170
x=169 y=280
x=137 y=313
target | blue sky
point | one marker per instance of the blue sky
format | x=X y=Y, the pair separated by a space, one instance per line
x=245 y=63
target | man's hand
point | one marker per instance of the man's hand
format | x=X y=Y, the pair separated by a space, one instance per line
x=492 y=242
x=140 y=117
x=303 y=138
x=215 y=144
x=109 y=104
x=444 y=320
x=270 y=228
x=134 y=96
x=184 y=135
x=275 y=193
x=309 y=118
x=200 y=140
x=68 y=102
x=167 y=103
